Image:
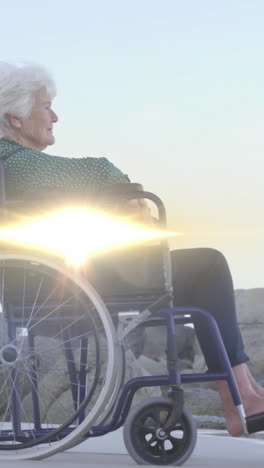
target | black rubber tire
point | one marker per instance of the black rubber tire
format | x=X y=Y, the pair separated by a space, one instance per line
x=141 y=439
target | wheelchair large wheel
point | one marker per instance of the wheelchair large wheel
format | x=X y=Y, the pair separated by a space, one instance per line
x=114 y=397
x=58 y=354
x=148 y=442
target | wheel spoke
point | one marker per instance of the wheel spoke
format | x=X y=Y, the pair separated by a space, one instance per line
x=53 y=364
x=145 y=427
x=152 y=439
x=156 y=416
x=34 y=304
x=163 y=453
x=175 y=441
x=156 y=449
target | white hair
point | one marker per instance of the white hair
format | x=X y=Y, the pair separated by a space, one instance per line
x=18 y=86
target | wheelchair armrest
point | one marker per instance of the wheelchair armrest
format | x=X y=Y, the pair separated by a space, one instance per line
x=113 y=191
x=42 y=200
x=35 y=196
x=118 y=193
x=122 y=189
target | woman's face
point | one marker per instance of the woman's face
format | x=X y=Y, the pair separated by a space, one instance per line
x=37 y=130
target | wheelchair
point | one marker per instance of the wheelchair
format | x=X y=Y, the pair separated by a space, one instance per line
x=61 y=335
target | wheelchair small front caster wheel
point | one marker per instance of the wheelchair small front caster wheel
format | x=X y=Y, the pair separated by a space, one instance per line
x=148 y=442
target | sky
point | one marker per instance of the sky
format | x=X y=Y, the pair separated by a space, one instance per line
x=172 y=92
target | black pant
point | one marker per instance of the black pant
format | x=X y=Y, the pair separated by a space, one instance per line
x=201 y=278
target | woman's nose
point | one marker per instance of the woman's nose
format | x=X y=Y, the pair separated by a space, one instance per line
x=55 y=118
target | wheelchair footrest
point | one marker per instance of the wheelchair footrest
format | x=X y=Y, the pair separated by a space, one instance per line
x=255 y=423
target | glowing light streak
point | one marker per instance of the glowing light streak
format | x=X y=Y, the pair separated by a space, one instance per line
x=78 y=233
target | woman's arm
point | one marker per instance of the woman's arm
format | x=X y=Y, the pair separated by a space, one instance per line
x=33 y=170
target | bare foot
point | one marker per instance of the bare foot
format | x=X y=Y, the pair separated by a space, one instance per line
x=253 y=405
x=258 y=389
x=253 y=402
x=233 y=424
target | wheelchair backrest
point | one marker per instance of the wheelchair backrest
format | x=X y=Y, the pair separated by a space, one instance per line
x=2 y=184
x=139 y=270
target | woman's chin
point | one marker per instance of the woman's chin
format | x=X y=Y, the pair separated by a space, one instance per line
x=50 y=140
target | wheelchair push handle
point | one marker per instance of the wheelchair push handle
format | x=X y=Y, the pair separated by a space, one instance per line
x=121 y=193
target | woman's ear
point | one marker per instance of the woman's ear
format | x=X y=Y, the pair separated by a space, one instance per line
x=13 y=121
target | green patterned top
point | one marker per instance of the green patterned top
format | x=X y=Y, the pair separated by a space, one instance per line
x=27 y=169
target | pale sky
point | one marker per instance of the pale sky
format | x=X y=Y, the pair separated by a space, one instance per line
x=172 y=93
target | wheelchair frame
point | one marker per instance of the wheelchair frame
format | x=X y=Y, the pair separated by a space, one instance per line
x=111 y=410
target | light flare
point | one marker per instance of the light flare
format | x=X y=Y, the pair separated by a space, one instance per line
x=77 y=234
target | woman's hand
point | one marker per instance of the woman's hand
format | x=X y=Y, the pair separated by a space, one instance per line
x=139 y=210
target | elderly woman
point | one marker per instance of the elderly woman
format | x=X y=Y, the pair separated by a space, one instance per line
x=26 y=129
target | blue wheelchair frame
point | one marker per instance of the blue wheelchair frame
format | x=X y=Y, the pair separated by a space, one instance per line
x=158 y=312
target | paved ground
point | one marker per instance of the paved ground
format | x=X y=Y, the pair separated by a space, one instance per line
x=212 y=451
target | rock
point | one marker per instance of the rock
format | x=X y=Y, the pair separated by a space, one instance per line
x=253 y=341
x=209 y=422
x=152 y=366
x=135 y=368
x=136 y=341
x=202 y=400
x=199 y=364
x=61 y=409
x=250 y=306
x=52 y=382
x=250 y=313
x=156 y=343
